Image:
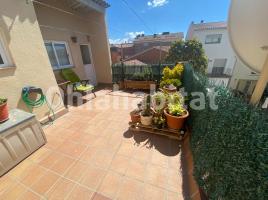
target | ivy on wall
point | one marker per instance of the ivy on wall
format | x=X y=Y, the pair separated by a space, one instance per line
x=229 y=145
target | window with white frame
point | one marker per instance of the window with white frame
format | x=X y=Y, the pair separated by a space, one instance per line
x=3 y=56
x=219 y=66
x=59 y=54
x=213 y=39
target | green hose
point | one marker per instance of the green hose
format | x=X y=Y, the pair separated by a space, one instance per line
x=36 y=103
x=33 y=103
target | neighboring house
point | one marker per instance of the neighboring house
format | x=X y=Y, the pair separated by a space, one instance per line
x=134 y=62
x=39 y=38
x=150 y=49
x=223 y=65
x=143 y=42
x=153 y=55
x=121 y=51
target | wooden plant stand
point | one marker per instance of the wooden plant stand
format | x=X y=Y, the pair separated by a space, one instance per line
x=171 y=133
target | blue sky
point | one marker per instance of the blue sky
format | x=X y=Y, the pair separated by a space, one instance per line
x=160 y=16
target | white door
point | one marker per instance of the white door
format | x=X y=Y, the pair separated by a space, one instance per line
x=88 y=63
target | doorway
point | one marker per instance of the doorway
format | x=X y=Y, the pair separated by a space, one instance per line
x=88 y=63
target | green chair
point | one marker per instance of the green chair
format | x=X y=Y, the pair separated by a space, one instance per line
x=82 y=86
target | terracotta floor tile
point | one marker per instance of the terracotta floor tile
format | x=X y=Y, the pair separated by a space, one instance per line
x=157 y=176
x=62 y=165
x=50 y=160
x=174 y=182
x=174 y=196
x=130 y=190
x=119 y=164
x=80 y=193
x=53 y=142
x=88 y=155
x=97 y=196
x=93 y=147
x=143 y=154
x=61 y=189
x=45 y=183
x=35 y=174
x=159 y=159
x=151 y=192
x=5 y=183
x=21 y=170
x=93 y=177
x=14 y=192
x=71 y=149
x=136 y=170
x=110 y=185
x=126 y=149
x=28 y=195
x=88 y=139
x=102 y=159
x=40 y=154
x=76 y=171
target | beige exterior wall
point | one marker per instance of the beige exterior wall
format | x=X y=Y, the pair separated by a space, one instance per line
x=242 y=72
x=30 y=65
x=89 y=28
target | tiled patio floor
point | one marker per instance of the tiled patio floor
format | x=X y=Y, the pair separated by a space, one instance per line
x=90 y=154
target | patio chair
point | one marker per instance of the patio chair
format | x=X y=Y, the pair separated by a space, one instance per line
x=82 y=86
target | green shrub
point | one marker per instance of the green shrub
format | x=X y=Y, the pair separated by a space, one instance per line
x=172 y=76
x=229 y=146
x=3 y=100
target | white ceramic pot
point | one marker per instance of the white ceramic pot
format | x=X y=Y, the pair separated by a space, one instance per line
x=146 y=120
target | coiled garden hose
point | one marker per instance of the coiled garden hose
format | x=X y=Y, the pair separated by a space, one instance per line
x=26 y=91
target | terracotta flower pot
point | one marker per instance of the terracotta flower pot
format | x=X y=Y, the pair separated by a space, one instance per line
x=3 y=112
x=175 y=122
x=135 y=117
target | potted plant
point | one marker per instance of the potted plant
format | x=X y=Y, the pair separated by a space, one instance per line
x=159 y=120
x=175 y=115
x=159 y=100
x=146 y=113
x=135 y=116
x=3 y=110
x=171 y=78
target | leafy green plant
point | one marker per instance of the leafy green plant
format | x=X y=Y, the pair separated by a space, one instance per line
x=172 y=76
x=159 y=100
x=147 y=106
x=3 y=100
x=176 y=98
x=176 y=109
x=191 y=51
x=159 y=120
x=138 y=76
x=148 y=74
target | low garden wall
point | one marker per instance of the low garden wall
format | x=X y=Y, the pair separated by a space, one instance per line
x=229 y=145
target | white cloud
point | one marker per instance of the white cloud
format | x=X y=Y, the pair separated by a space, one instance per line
x=129 y=37
x=156 y=3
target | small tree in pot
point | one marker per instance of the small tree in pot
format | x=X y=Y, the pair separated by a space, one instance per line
x=146 y=114
x=3 y=110
x=171 y=78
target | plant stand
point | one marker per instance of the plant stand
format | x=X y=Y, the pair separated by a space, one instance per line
x=170 y=133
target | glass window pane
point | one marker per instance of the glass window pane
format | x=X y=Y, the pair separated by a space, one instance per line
x=1 y=60
x=51 y=55
x=85 y=54
x=62 y=54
